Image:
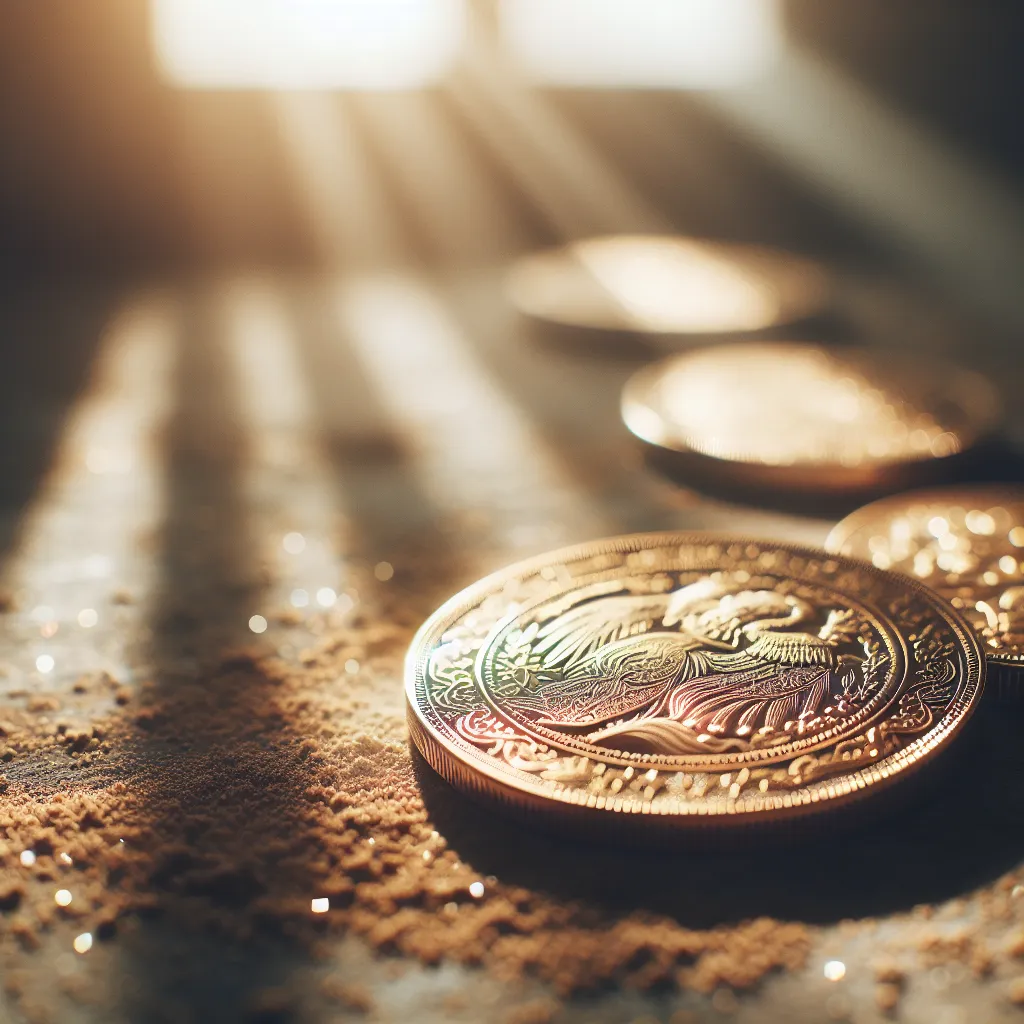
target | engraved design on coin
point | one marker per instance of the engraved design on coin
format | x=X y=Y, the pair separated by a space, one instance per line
x=714 y=664
x=689 y=677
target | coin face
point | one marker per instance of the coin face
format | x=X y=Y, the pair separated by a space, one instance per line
x=811 y=417
x=967 y=543
x=667 y=285
x=689 y=681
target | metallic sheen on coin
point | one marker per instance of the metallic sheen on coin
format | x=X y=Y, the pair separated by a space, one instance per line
x=801 y=417
x=967 y=543
x=687 y=681
x=663 y=284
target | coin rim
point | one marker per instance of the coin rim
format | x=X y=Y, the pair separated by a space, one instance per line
x=837 y=537
x=636 y=396
x=470 y=769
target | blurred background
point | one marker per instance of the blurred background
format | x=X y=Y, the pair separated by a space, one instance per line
x=175 y=141
x=172 y=134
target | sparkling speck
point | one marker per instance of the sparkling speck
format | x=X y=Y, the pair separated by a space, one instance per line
x=45 y=663
x=83 y=942
x=351 y=666
x=383 y=571
x=320 y=905
x=87 y=618
x=66 y=859
x=299 y=599
x=27 y=858
x=325 y=597
x=62 y=897
x=258 y=624
x=835 y=970
x=980 y=523
x=476 y=890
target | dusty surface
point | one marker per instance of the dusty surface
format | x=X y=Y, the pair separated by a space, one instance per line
x=335 y=459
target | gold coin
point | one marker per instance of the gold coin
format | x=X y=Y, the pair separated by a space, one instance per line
x=967 y=543
x=687 y=681
x=809 y=418
x=656 y=284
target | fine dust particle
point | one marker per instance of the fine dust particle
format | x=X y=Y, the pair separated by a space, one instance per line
x=888 y=972
x=723 y=1001
x=961 y=947
x=684 y=1017
x=536 y=1011
x=351 y=995
x=296 y=780
x=1015 y=993
x=887 y=996
x=295 y=785
x=270 y=1006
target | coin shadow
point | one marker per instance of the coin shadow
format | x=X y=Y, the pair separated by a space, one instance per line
x=996 y=461
x=639 y=347
x=961 y=830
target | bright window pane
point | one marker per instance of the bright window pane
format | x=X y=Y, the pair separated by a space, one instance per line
x=659 y=44
x=306 y=44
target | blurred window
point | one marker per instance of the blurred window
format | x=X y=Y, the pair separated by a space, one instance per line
x=306 y=44
x=656 y=44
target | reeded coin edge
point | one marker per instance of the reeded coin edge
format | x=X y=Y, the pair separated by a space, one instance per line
x=467 y=768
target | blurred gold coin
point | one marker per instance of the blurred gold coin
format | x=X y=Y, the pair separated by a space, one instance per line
x=673 y=682
x=967 y=543
x=667 y=285
x=801 y=417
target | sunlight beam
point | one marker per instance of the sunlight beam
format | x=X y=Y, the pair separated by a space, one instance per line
x=576 y=189
x=84 y=536
x=957 y=219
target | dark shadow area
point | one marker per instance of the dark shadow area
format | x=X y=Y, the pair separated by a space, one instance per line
x=217 y=769
x=996 y=461
x=389 y=516
x=706 y=178
x=950 y=65
x=938 y=838
x=49 y=337
x=639 y=347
